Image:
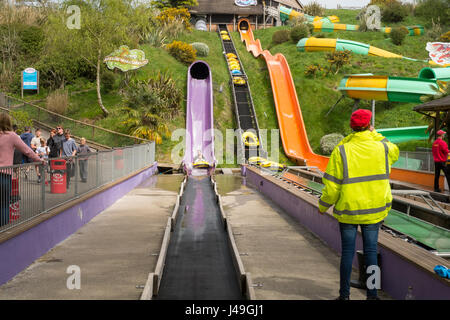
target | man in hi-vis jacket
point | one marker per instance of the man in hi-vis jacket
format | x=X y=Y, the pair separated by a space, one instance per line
x=357 y=184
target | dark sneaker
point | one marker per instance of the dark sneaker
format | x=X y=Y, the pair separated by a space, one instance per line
x=373 y=298
x=342 y=298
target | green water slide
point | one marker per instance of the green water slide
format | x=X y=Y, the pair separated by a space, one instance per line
x=424 y=232
x=397 y=135
x=433 y=236
x=397 y=89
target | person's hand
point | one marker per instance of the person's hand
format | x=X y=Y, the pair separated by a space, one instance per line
x=371 y=128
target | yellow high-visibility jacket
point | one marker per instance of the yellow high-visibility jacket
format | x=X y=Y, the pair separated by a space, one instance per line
x=357 y=178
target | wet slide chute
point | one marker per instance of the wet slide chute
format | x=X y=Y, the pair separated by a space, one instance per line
x=199 y=154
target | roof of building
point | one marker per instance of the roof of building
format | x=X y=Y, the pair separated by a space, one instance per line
x=442 y=104
x=224 y=7
x=291 y=3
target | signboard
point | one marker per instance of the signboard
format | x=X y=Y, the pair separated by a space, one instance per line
x=246 y=3
x=439 y=52
x=30 y=80
x=126 y=59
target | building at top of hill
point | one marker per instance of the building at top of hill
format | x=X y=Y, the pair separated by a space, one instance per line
x=265 y=13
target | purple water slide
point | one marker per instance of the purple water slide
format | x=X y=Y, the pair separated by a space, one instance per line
x=199 y=115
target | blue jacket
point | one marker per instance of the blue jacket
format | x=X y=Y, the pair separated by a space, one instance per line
x=26 y=137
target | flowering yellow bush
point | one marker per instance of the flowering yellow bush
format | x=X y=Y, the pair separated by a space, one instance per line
x=182 y=51
x=175 y=15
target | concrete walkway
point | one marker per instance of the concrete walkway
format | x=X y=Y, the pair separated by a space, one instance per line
x=115 y=251
x=286 y=259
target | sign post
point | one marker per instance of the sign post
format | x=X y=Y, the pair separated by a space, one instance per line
x=30 y=80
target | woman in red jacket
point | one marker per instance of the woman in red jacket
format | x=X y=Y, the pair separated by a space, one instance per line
x=9 y=141
x=440 y=155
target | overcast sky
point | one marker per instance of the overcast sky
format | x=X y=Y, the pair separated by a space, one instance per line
x=331 y=4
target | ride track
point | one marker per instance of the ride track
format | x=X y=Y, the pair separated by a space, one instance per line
x=199 y=115
x=290 y=121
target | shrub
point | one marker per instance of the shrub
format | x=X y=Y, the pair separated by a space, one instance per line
x=299 y=32
x=182 y=51
x=329 y=142
x=58 y=101
x=434 y=33
x=21 y=119
x=174 y=20
x=445 y=37
x=313 y=70
x=394 y=12
x=156 y=37
x=108 y=81
x=398 y=35
x=280 y=36
x=298 y=20
x=159 y=94
x=149 y=105
x=338 y=59
x=433 y=9
x=314 y=9
x=31 y=41
x=320 y=35
x=202 y=48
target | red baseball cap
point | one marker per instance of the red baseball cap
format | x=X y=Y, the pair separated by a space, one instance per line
x=360 y=118
x=441 y=132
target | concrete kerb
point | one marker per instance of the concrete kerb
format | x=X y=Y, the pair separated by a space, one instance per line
x=250 y=290
x=147 y=294
x=237 y=262
x=222 y=212
x=159 y=269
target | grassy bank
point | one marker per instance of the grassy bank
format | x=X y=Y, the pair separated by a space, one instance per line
x=317 y=95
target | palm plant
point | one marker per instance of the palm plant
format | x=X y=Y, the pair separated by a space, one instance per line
x=149 y=105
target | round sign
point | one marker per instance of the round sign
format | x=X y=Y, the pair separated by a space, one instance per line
x=30 y=70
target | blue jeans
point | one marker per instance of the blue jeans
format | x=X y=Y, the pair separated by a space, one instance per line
x=348 y=238
x=5 y=195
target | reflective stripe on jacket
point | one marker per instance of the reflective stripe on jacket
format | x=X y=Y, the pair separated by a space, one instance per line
x=357 y=178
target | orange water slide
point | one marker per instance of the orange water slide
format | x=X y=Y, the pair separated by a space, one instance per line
x=290 y=121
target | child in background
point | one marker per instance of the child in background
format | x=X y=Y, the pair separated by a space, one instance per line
x=43 y=152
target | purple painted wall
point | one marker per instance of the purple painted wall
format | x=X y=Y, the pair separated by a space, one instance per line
x=396 y=273
x=19 y=252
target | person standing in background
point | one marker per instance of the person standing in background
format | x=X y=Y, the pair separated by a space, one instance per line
x=440 y=155
x=83 y=151
x=9 y=141
x=26 y=137
x=58 y=140
x=53 y=153
x=69 y=151
x=42 y=151
x=18 y=156
x=37 y=138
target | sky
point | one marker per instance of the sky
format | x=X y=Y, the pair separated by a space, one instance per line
x=331 y=4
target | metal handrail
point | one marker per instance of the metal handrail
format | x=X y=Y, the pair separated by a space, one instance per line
x=29 y=197
x=73 y=120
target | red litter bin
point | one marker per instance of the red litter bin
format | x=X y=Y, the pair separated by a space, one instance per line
x=58 y=171
x=14 y=210
x=118 y=158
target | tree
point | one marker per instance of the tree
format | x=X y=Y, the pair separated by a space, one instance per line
x=162 y=4
x=105 y=25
